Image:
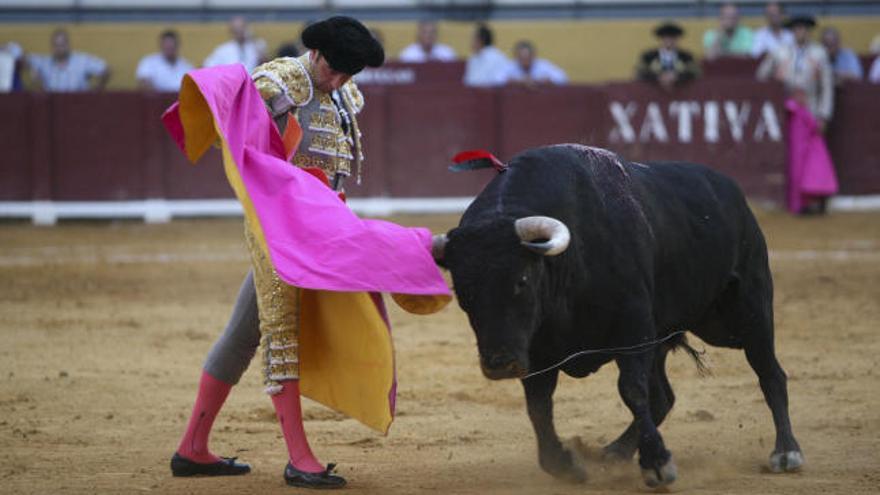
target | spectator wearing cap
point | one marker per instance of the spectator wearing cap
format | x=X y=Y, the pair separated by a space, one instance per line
x=164 y=70
x=770 y=37
x=805 y=71
x=243 y=48
x=315 y=92
x=844 y=62
x=67 y=71
x=487 y=66
x=730 y=38
x=526 y=69
x=426 y=48
x=668 y=65
x=804 y=68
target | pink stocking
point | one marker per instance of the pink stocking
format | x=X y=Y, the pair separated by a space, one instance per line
x=289 y=412
x=212 y=395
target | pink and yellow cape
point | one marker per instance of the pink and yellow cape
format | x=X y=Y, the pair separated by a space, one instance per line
x=314 y=242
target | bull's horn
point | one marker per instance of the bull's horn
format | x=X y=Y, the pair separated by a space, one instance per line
x=554 y=234
x=438 y=246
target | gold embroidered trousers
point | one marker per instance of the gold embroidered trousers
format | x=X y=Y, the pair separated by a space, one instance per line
x=278 y=305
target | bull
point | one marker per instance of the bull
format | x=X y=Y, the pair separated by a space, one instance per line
x=572 y=248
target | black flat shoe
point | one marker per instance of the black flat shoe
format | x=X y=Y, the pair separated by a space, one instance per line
x=323 y=481
x=181 y=466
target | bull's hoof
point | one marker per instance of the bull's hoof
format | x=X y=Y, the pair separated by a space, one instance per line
x=662 y=476
x=565 y=466
x=786 y=462
x=618 y=452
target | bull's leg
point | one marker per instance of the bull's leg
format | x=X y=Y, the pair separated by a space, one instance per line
x=661 y=400
x=786 y=455
x=552 y=456
x=656 y=462
x=747 y=311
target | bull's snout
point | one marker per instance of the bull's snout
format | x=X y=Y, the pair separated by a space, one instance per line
x=501 y=366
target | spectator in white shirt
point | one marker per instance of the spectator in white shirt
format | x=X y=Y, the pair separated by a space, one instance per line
x=426 y=48
x=874 y=73
x=10 y=62
x=771 y=37
x=164 y=70
x=844 y=61
x=528 y=70
x=66 y=70
x=242 y=48
x=488 y=65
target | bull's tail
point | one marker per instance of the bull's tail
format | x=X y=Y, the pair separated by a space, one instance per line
x=681 y=342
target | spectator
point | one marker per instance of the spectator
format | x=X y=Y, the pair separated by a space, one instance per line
x=378 y=36
x=844 y=62
x=805 y=71
x=10 y=62
x=730 y=38
x=426 y=48
x=667 y=65
x=242 y=48
x=299 y=45
x=770 y=37
x=163 y=71
x=66 y=70
x=528 y=70
x=487 y=66
x=874 y=47
x=289 y=50
x=874 y=73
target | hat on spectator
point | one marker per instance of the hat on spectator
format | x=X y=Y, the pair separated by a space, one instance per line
x=347 y=44
x=668 y=29
x=801 y=20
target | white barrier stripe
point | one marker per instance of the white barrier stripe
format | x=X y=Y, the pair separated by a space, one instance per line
x=166 y=258
x=823 y=255
x=122 y=259
x=162 y=210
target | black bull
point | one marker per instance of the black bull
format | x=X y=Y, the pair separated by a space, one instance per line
x=572 y=248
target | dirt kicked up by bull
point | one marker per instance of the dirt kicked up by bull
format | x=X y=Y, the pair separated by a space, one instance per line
x=570 y=248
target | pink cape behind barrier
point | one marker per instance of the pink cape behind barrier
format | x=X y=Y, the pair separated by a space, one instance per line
x=810 y=170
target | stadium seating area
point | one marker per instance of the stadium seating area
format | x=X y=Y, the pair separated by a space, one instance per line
x=593 y=40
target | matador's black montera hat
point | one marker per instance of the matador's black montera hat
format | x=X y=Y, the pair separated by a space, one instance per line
x=347 y=44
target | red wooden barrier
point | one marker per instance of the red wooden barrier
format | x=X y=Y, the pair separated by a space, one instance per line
x=729 y=67
x=854 y=138
x=400 y=73
x=737 y=128
x=111 y=146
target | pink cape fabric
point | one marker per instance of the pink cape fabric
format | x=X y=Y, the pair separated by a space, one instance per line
x=314 y=240
x=810 y=170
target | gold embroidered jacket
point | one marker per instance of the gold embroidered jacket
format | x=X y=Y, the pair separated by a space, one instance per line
x=331 y=137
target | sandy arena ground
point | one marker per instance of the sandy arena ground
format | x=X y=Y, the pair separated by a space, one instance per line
x=104 y=327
